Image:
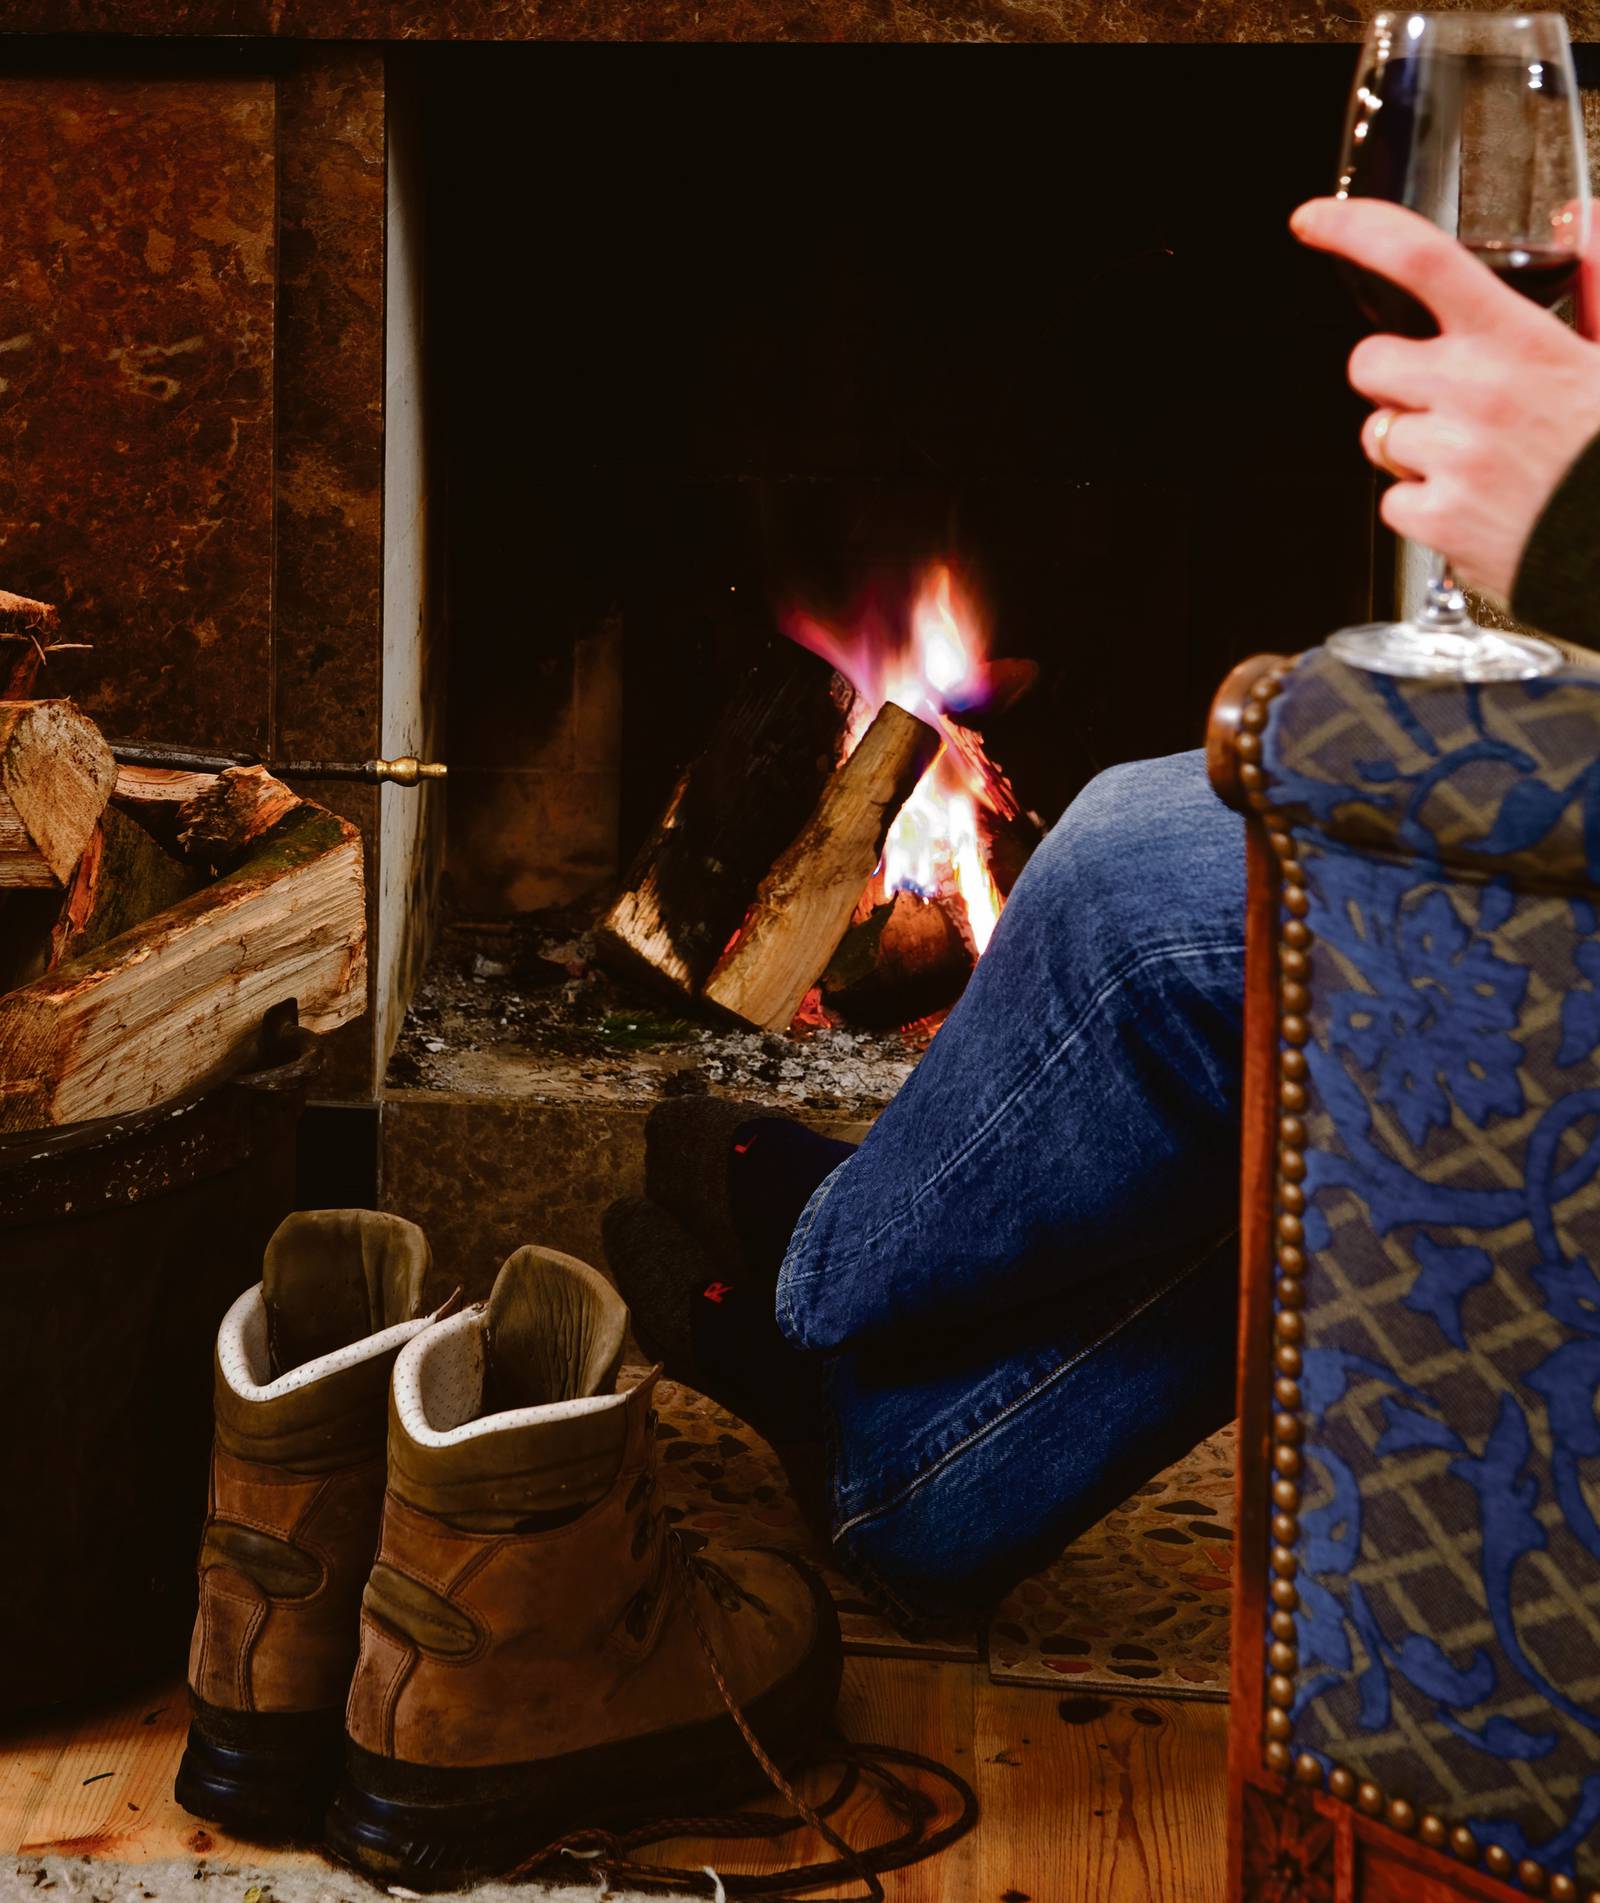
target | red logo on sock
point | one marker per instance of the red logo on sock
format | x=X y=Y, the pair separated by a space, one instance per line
x=714 y=1291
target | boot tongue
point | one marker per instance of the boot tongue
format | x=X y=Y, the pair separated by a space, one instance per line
x=555 y=1332
x=331 y=1277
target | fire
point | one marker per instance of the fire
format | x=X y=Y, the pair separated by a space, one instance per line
x=933 y=668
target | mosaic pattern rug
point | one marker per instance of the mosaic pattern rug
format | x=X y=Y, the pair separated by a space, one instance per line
x=720 y=1478
x=1139 y=1603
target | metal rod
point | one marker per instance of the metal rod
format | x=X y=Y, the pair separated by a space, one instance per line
x=404 y=771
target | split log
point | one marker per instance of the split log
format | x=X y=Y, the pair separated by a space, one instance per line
x=122 y=879
x=179 y=1000
x=28 y=629
x=907 y=959
x=56 y=775
x=804 y=905
x=731 y=814
x=223 y=821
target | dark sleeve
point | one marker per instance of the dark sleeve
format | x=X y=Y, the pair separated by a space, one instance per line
x=1557 y=587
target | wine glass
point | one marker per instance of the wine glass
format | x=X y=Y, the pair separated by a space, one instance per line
x=1471 y=119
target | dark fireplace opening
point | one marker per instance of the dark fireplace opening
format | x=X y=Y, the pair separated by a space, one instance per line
x=713 y=341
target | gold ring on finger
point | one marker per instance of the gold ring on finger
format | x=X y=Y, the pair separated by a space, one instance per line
x=1382 y=423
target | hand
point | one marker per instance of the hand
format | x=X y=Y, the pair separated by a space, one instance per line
x=1491 y=413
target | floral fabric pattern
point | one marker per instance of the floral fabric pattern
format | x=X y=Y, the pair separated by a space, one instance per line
x=1449 y=1619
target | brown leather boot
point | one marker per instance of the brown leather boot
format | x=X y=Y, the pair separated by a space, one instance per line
x=302 y=1381
x=529 y=1655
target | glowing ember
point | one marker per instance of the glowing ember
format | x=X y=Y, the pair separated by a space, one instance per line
x=936 y=665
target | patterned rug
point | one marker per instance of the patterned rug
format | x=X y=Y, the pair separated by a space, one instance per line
x=1142 y=1600
x=1139 y=1603
x=719 y=1477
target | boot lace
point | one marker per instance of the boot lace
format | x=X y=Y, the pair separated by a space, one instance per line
x=614 y=1852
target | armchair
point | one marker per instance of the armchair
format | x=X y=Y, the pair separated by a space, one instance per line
x=1416 y=1637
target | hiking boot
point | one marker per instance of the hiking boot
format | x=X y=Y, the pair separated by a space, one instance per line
x=534 y=1641
x=297 y=1467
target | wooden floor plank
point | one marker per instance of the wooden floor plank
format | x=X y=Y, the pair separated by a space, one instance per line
x=1121 y=1801
x=100 y=1785
x=921 y=1705
x=1099 y=1800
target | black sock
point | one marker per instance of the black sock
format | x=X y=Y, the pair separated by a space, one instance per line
x=775 y=1168
x=697 y=1257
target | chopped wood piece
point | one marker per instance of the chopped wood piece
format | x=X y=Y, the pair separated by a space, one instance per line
x=907 y=959
x=122 y=879
x=180 y=999
x=56 y=774
x=731 y=814
x=219 y=824
x=803 y=908
x=21 y=616
x=28 y=630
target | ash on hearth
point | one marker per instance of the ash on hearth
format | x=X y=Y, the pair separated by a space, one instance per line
x=520 y=1008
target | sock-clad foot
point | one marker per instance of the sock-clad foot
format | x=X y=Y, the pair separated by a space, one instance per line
x=302 y=1371
x=698 y=1255
x=534 y=1642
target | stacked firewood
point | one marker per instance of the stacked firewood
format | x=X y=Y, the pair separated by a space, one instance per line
x=151 y=921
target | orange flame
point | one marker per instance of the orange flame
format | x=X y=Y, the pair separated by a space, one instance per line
x=938 y=664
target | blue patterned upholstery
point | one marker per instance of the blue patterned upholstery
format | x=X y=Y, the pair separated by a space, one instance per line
x=1448 y=1625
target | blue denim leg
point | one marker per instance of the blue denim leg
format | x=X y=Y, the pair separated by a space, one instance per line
x=962 y=1470
x=1078 y=1112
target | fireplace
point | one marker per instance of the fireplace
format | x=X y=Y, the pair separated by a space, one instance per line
x=713 y=347
x=555 y=383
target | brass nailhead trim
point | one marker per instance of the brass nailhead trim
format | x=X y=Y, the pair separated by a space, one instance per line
x=1342 y=1783
x=1563 y=1889
x=1294 y=1032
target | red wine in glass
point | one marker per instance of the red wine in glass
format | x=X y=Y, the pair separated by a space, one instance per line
x=1470 y=120
x=1545 y=274
x=1415 y=104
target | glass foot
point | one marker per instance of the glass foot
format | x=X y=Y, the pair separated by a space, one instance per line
x=1465 y=652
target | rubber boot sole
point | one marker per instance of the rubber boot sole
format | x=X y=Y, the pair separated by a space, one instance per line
x=266 y=1775
x=428 y=1827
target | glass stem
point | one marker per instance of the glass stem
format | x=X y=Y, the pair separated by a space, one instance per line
x=1444 y=608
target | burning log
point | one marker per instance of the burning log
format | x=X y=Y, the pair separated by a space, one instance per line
x=56 y=775
x=731 y=814
x=180 y=997
x=804 y=905
x=905 y=960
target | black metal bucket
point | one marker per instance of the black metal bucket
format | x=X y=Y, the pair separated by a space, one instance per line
x=122 y=1243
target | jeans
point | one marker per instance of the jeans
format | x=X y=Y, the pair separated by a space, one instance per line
x=1021 y=1287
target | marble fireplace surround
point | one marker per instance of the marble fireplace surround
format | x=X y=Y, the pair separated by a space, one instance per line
x=1023 y=21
